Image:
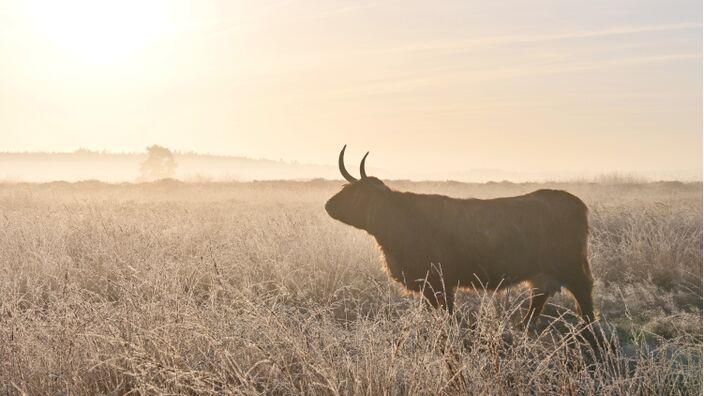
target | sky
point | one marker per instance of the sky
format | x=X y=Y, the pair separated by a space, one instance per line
x=539 y=86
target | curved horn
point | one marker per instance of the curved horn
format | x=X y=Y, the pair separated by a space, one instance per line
x=362 y=172
x=341 y=165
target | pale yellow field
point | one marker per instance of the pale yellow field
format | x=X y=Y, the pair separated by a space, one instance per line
x=251 y=288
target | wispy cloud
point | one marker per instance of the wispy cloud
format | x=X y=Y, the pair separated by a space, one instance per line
x=465 y=44
x=458 y=76
x=529 y=64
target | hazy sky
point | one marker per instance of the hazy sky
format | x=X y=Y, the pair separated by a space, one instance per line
x=519 y=85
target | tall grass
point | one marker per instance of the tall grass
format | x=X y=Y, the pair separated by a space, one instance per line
x=249 y=288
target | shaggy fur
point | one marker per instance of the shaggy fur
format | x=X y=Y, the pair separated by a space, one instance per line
x=435 y=244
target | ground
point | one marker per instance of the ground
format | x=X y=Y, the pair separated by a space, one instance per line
x=249 y=288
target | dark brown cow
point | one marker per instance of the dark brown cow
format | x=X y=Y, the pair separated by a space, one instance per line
x=435 y=244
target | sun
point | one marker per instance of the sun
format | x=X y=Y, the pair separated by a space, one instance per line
x=98 y=31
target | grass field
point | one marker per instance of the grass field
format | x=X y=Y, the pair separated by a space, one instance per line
x=247 y=288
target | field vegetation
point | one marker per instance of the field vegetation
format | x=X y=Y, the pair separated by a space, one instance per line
x=250 y=288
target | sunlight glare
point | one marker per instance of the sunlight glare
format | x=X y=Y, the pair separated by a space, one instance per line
x=99 y=32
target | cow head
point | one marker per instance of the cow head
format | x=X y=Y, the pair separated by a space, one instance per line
x=359 y=199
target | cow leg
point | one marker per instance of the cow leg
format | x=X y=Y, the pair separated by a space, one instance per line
x=581 y=289
x=439 y=298
x=537 y=302
x=449 y=300
x=580 y=285
x=582 y=292
x=543 y=286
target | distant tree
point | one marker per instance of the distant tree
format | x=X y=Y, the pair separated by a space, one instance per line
x=160 y=164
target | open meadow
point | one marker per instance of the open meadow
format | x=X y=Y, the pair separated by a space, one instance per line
x=249 y=288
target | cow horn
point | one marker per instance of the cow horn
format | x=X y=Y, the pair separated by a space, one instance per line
x=341 y=165
x=362 y=172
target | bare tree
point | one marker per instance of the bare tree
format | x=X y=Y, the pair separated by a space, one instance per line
x=160 y=164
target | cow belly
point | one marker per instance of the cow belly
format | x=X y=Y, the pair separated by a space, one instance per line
x=480 y=280
x=412 y=273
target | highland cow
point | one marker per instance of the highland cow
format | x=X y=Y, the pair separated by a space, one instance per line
x=435 y=245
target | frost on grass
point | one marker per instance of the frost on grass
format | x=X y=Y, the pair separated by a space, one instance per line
x=249 y=288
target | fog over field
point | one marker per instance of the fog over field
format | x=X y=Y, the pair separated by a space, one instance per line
x=247 y=288
x=111 y=167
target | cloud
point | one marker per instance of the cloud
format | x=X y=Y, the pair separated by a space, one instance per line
x=446 y=77
x=466 y=44
x=526 y=64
